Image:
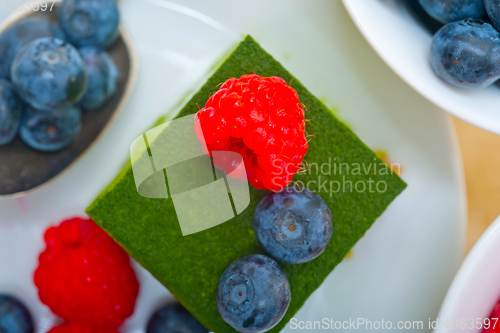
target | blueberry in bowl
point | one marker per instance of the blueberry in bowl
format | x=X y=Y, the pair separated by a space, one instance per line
x=493 y=10
x=294 y=225
x=174 y=318
x=466 y=54
x=21 y=33
x=14 y=316
x=446 y=11
x=253 y=294
x=10 y=112
x=90 y=22
x=50 y=131
x=102 y=75
x=49 y=74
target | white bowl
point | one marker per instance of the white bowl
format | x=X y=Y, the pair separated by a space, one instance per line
x=404 y=44
x=476 y=288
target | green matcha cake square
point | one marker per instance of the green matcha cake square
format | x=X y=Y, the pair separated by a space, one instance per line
x=356 y=185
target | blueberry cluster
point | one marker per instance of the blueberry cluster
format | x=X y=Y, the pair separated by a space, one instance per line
x=14 y=316
x=465 y=52
x=294 y=226
x=49 y=74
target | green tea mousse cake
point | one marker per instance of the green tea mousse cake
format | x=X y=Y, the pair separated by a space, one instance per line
x=356 y=185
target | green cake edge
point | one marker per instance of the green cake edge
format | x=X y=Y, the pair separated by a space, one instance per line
x=353 y=212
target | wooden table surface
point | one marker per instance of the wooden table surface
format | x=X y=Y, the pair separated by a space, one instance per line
x=481 y=160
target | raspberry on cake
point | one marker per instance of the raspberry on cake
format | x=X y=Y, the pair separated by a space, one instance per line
x=85 y=277
x=262 y=119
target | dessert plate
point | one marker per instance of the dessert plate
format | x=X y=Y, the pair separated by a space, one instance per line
x=396 y=31
x=22 y=169
x=399 y=271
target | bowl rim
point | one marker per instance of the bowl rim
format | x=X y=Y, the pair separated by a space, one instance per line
x=129 y=88
x=468 y=268
x=467 y=117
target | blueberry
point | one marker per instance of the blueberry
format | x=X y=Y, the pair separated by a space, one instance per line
x=493 y=11
x=102 y=74
x=467 y=54
x=174 y=318
x=253 y=294
x=24 y=31
x=10 y=112
x=89 y=22
x=446 y=11
x=50 y=131
x=294 y=226
x=14 y=317
x=49 y=74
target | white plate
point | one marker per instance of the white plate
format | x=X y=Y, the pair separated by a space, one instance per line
x=399 y=271
x=476 y=288
x=404 y=44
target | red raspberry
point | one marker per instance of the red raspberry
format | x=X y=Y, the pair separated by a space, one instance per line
x=80 y=328
x=495 y=314
x=260 y=118
x=84 y=276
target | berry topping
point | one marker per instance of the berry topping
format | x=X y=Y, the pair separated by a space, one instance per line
x=294 y=226
x=253 y=294
x=14 y=317
x=260 y=118
x=84 y=276
x=49 y=73
x=174 y=318
x=80 y=328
